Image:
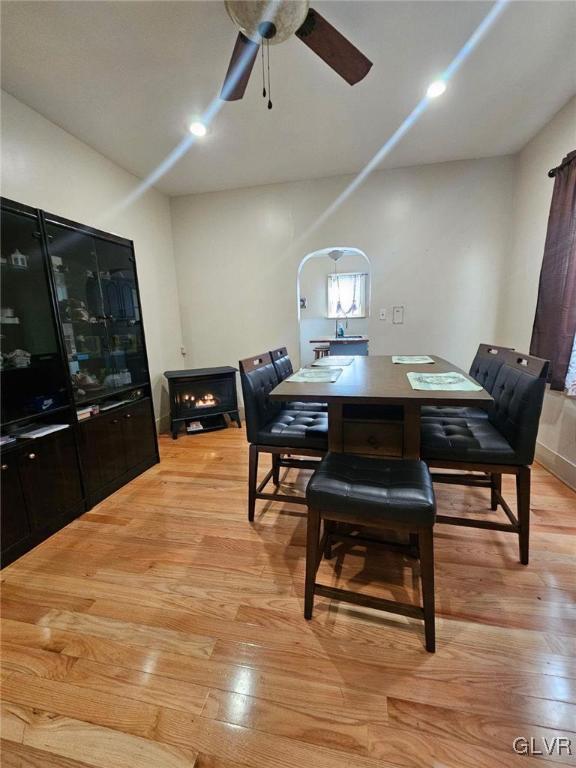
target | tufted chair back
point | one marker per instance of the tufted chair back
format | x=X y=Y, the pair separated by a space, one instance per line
x=282 y=363
x=485 y=366
x=258 y=377
x=518 y=394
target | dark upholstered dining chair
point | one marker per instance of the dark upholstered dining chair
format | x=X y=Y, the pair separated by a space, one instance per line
x=484 y=369
x=277 y=430
x=283 y=367
x=504 y=443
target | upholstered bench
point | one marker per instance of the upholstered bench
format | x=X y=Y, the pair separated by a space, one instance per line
x=377 y=494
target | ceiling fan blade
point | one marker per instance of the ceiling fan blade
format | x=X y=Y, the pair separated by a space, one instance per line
x=333 y=48
x=239 y=69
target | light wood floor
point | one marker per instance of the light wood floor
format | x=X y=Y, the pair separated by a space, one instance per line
x=161 y=630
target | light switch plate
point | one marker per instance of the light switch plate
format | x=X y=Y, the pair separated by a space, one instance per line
x=382 y=314
x=398 y=314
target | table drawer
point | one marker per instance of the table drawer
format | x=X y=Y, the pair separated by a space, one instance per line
x=374 y=438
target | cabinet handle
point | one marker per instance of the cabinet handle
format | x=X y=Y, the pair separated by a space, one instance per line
x=114 y=421
x=4 y=466
x=31 y=455
x=128 y=416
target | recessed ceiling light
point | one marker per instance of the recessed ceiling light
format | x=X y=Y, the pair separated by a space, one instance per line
x=436 y=88
x=198 y=129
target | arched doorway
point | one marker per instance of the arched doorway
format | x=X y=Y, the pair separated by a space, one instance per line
x=333 y=291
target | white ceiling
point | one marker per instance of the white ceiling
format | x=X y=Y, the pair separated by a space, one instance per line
x=126 y=77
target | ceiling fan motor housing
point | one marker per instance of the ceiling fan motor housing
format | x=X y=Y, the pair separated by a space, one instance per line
x=271 y=20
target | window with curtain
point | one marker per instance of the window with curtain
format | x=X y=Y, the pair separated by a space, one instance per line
x=347 y=295
x=555 y=320
x=571 y=376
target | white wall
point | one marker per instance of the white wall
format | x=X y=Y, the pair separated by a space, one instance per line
x=45 y=167
x=436 y=236
x=533 y=193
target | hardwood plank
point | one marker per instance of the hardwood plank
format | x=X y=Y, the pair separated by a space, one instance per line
x=23 y=756
x=129 y=683
x=98 y=746
x=341 y=730
x=132 y=633
x=97 y=707
x=233 y=742
x=497 y=731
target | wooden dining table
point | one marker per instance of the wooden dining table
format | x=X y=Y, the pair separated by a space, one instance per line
x=372 y=407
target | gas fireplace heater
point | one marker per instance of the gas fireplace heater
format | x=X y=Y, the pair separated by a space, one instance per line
x=202 y=398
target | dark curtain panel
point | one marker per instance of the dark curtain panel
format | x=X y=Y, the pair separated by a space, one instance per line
x=555 y=320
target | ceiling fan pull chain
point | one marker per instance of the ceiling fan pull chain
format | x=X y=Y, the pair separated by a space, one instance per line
x=263 y=75
x=269 y=86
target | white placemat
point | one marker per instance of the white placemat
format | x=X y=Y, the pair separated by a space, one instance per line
x=411 y=359
x=333 y=361
x=318 y=375
x=446 y=382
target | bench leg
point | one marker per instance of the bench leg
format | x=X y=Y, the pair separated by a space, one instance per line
x=426 y=542
x=328 y=528
x=312 y=543
x=523 y=505
x=276 y=469
x=496 y=486
x=252 y=480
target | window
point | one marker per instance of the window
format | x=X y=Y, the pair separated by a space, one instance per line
x=347 y=294
x=570 y=384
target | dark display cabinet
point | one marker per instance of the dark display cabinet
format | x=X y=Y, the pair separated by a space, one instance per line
x=33 y=377
x=74 y=365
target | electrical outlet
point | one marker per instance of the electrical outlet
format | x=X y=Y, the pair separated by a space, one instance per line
x=382 y=314
x=398 y=314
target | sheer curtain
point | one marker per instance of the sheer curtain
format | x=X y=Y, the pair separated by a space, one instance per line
x=347 y=294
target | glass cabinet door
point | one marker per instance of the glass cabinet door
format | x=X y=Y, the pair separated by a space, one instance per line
x=33 y=378
x=123 y=316
x=81 y=307
x=98 y=302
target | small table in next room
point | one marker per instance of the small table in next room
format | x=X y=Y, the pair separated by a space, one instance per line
x=344 y=345
x=372 y=408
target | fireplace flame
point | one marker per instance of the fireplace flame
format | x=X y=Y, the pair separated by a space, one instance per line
x=208 y=401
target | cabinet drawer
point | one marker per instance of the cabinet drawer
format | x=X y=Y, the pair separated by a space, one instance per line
x=374 y=438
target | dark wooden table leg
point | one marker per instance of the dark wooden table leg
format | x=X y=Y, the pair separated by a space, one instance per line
x=335 y=439
x=411 y=431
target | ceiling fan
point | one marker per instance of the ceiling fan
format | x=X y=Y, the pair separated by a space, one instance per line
x=268 y=22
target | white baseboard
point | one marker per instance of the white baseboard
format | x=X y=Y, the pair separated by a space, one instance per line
x=559 y=466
